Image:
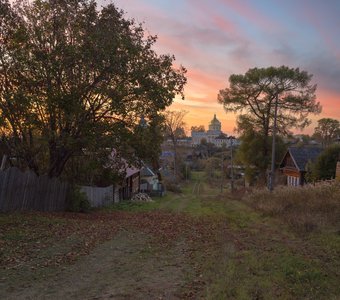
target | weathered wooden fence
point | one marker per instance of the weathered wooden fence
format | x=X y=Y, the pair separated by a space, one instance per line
x=99 y=196
x=27 y=191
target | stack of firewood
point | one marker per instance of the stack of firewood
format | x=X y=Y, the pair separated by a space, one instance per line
x=141 y=197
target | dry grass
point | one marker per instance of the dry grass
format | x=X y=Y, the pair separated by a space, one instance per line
x=305 y=209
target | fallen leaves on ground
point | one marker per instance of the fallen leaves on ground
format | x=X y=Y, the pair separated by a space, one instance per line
x=39 y=240
x=24 y=237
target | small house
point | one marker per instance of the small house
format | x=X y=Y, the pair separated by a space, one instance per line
x=150 y=183
x=130 y=184
x=294 y=162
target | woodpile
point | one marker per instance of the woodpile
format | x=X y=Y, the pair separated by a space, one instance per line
x=141 y=197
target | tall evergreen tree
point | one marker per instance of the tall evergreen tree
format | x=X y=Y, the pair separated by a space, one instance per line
x=255 y=93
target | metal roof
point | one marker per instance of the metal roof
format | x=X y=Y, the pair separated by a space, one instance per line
x=146 y=172
x=301 y=155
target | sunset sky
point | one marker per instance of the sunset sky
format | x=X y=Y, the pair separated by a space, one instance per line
x=216 y=38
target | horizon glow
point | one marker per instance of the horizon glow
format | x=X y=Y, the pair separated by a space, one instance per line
x=214 y=39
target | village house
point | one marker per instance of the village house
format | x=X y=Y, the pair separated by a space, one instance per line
x=294 y=162
x=149 y=182
x=129 y=186
x=122 y=189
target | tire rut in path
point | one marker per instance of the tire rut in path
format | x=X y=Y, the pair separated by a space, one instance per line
x=129 y=266
x=196 y=188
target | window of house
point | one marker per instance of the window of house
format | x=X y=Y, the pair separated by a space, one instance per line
x=293 y=181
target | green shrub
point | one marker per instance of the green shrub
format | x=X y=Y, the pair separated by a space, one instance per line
x=325 y=165
x=172 y=186
x=77 y=200
x=185 y=171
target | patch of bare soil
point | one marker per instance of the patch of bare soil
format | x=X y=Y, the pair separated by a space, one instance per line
x=129 y=266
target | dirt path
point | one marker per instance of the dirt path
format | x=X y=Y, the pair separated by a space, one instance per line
x=126 y=267
x=199 y=244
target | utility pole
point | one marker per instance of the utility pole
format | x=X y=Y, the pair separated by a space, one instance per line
x=272 y=171
x=231 y=138
x=231 y=164
x=222 y=173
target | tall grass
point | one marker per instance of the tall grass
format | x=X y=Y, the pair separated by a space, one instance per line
x=305 y=209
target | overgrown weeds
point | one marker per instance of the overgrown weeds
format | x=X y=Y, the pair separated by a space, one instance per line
x=172 y=186
x=306 y=209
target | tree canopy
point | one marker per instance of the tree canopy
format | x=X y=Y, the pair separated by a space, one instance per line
x=73 y=75
x=147 y=140
x=199 y=128
x=325 y=165
x=174 y=124
x=254 y=95
x=249 y=155
x=327 y=131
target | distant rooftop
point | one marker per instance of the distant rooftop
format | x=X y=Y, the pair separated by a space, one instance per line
x=222 y=136
x=301 y=155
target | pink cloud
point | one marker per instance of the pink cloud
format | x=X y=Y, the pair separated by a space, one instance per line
x=314 y=18
x=212 y=45
x=250 y=13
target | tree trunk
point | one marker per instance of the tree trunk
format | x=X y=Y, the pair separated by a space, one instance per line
x=265 y=154
x=58 y=159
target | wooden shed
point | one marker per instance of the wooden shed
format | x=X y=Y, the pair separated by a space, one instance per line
x=294 y=162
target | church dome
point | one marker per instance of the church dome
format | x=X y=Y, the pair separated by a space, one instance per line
x=215 y=124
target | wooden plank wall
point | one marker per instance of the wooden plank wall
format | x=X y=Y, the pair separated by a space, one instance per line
x=99 y=196
x=27 y=191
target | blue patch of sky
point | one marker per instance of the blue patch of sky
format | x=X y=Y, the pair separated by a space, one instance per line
x=288 y=33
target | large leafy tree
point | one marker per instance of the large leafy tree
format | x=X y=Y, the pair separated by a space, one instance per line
x=254 y=94
x=73 y=75
x=327 y=131
x=250 y=157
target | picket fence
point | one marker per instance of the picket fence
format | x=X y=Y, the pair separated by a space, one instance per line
x=27 y=191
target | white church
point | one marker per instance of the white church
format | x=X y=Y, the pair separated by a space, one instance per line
x=214 y=135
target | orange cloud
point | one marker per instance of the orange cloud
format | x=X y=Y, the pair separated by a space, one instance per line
x=330 y=102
